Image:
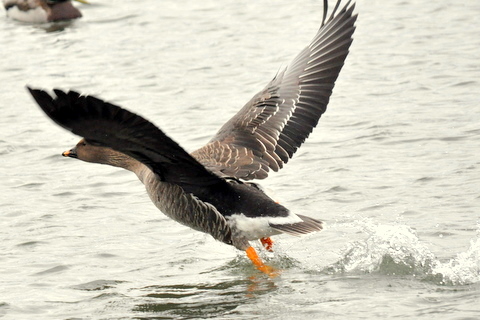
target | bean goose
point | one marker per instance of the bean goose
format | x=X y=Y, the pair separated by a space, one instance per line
x=208 y=190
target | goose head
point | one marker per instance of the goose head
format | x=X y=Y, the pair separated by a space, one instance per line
x=89 y=152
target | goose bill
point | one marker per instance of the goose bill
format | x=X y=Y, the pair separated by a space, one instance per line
x=70 y=153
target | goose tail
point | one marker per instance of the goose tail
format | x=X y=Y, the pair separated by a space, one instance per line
x=308 y=225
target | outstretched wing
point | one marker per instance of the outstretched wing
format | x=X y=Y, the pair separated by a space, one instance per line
x=105 y=124
x=268 y=130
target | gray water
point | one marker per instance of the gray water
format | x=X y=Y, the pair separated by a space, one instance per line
x=393 y=167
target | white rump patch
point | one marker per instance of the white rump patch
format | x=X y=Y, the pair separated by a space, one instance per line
x=259 y=227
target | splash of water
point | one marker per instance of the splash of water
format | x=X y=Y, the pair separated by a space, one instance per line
x=397 y=250
x=463 y=269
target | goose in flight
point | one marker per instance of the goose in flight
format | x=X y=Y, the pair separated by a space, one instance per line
x=208 y=190
x=41 y=11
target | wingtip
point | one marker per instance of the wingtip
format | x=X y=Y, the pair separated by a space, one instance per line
x=42 y=98
x=33 y=92
x=54 y=106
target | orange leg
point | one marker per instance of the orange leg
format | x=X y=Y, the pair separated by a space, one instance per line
x=252 y=255
x=267 y=243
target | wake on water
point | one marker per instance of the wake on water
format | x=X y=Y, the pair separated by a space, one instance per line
x=387 y=249
x=397 y=250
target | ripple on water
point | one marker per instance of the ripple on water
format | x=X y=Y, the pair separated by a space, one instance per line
x=97 y=285
x=202 y=300
x=32 y=185
x=53 y=270
x=4 y=308
x=30 y=244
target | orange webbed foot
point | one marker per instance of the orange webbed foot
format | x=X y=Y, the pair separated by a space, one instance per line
x=267 y=243
x=253 y=256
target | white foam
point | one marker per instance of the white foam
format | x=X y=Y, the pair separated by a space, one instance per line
x=396 y=249
x=463 y=269
x=399 y=242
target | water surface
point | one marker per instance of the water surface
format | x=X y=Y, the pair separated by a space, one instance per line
x=393 y=167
